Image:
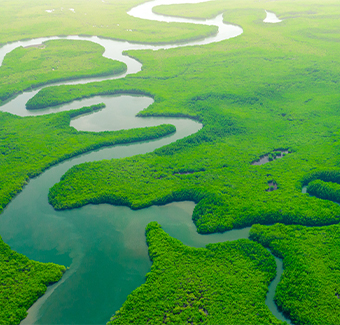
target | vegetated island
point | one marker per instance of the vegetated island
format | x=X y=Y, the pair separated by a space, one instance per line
x=324 y=184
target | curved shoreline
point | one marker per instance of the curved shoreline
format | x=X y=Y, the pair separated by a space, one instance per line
x=136 y=68
x=271 y=18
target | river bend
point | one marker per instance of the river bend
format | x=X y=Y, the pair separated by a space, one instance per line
x=103 y=245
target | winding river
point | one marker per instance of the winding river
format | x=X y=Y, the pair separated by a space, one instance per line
x=103 y=245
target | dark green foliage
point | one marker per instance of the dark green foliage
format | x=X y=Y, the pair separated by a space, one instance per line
x=30 y=145
x=324 y=175
x=224 y=283
x=26 y=68
x=229 y=194
x=323 y=184
x=324 y=190
x=22 y=282
x=309 y=289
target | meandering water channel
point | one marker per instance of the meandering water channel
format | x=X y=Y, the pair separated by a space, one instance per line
x=103 y=245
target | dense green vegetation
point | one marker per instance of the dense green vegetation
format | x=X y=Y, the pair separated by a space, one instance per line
x=21 y=19
x=309 y=288
x=30 y=145
x=328 y=175
x=26 y=68
x=22 y=282
x=324 y=190
x=323 y=184
x=224 y=283
x=273 y=87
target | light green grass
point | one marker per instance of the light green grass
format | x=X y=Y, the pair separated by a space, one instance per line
x=21 y=19
x=58 y=60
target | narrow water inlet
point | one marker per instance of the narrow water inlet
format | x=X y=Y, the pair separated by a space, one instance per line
x=271 y=292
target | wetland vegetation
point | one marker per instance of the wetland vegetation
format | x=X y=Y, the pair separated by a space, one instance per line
x=245 y=115
x=275 y=86
x=309 y=288
x=30 y=145
x=26 y=68
x=189 y=285
x=22 y=20
x=22 y=282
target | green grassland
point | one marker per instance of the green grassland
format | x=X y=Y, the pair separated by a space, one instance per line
x=21 y=19
x=286 y=9
x=22 y=282
x=26 y=68
x=309 y=287
x=273 y=87
x=223 y=283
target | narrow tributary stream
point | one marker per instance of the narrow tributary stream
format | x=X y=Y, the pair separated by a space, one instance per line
x=103 y=245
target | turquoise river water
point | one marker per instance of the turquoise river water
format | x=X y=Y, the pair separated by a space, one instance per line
x=103 y=245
